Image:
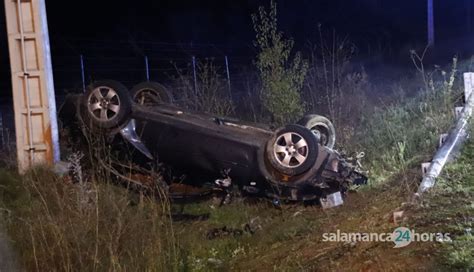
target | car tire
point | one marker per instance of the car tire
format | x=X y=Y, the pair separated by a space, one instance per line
x=106 y=104
x=292 y=151
x=150 y=93
x=321 y=127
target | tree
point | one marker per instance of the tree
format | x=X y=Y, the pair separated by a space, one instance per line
x=281 y=74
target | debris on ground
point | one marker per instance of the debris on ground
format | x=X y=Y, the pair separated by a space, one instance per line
x=223 y=232
x=184 y=217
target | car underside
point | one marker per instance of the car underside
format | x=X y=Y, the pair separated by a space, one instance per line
x=296 y=162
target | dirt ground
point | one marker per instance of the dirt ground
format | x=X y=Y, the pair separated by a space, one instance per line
x=292 y=239
x=363 y=212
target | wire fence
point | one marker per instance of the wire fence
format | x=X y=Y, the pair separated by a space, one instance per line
x=77 y=62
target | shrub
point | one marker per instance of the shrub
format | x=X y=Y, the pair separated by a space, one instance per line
x=281 y=74
x=210 y=94
x=329 y=78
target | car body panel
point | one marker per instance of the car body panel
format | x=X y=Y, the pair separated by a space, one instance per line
x=205 y=145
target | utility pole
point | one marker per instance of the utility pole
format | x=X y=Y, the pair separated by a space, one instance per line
x=32 y=83
x=431 y=27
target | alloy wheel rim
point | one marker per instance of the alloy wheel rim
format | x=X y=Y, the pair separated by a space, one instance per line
x=290 y=150
x=103 y=103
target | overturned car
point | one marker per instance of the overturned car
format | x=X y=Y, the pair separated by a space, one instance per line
x=295 y=162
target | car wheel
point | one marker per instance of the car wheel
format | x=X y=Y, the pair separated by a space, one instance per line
x=150 y=93
x=321 y=127
x=106 y=104
x=293 y=150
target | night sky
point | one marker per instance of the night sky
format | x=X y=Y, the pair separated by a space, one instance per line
x=114 y=33
x=228 y=21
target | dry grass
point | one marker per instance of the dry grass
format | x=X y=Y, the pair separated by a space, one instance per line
x=59 y=226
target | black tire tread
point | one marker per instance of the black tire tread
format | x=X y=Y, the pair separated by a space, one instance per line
x=310 y=120
x=165 y=95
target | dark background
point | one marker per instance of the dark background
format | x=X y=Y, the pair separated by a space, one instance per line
x=114 y=36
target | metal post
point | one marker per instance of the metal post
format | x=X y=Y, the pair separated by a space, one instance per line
x=195 y=83
x=147 y=70
x=431 y=32
x=2 y=136
x=49 y=81
x=228 y=75
x=194 y=75
x=83 y=75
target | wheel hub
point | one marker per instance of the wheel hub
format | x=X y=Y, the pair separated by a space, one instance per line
x=290 y=150
x=104 y=103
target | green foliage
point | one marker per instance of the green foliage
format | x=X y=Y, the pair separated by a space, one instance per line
x=460 y=254
x=273 y=229
x=281 y=74
x=449 y=209
x=458 y=186
x=404 y=133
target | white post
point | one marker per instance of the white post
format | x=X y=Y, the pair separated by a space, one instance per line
x=49 y=80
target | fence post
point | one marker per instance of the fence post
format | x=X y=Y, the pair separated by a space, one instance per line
x=83 y=75
x=228 y=76
x=2 y=139
x=147 y=69
x=195 y=82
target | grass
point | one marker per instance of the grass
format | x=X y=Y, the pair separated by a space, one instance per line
x=269 y=228
x=396 y=138
x=449 y=208
x=57 y=226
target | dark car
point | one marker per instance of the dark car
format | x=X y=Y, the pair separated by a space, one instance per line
x=295 y=162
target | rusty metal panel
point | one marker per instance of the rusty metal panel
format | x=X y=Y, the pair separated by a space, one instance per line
x=32 y=83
